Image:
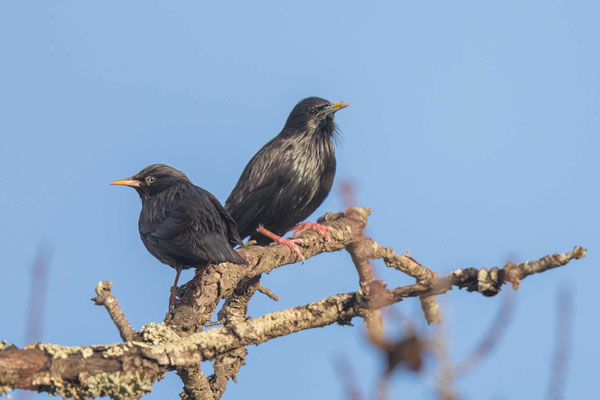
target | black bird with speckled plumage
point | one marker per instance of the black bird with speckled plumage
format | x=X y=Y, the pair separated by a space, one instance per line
x=291 y=175
x=181 y=224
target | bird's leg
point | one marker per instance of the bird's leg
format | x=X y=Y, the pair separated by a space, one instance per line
x=197 y=279
x=322 y=230
x=291 y=243
x=173 y=297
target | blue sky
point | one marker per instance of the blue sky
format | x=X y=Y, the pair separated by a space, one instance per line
x=472 y=133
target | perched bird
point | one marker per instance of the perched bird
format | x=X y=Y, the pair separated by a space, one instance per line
x=289 y=177
x=181 y=224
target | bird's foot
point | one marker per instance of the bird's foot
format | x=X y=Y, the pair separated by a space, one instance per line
x=291 y=243
x=173 y=300
x=322 y=230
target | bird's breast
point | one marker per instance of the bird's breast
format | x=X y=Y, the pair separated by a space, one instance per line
x=309 y=166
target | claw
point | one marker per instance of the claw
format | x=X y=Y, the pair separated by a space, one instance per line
x=291 y=243
x=322 y=230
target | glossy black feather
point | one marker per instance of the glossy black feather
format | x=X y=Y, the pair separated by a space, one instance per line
x=290 y=176
x=181 y=224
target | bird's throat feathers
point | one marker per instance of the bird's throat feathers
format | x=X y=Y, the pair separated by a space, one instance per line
x=311 y=128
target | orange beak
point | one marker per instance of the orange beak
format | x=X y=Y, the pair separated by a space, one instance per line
x=127 y=182
x=339 y=105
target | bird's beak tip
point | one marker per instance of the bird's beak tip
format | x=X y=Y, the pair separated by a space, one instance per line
x=339 y=105
x=126 y=182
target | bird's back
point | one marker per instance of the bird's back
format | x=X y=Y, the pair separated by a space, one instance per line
x=283 y=184
x=187 y=226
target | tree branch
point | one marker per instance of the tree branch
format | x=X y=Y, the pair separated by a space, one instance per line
x=128 y=370
x=195 y=384
x=234 y=310
x=104 y=297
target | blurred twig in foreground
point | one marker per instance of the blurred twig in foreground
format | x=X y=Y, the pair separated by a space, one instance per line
x=37 y=301
x=562 y=346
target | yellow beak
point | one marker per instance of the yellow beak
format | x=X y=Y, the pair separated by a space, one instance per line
x=127 y=182
x=339 y=105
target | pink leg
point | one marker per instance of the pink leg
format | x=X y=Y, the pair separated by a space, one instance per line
x=173 y=298
x=291 y=243
x=322 y=230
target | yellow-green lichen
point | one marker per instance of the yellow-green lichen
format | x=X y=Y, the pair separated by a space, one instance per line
x=56 y=351
x=164 y=340
x=158 y=334
x=115 y=351
x=87 y=352
x=113 y=385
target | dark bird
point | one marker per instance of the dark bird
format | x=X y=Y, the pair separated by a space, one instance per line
x=181 y=224
x=289 y=177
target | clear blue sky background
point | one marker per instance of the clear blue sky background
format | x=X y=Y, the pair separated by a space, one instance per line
x=472 y=132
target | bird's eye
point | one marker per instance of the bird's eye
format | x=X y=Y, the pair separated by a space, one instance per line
x=150 y=180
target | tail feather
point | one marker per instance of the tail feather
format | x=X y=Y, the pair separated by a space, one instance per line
x=219 y=250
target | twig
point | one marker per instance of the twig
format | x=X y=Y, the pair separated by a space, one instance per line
x=370 y=290
x=267 y=292
x=562 y=347
x=409 y=266
x=444 y=383
x=514 y=273
x=347 y=190
x=348 y=378
x=37 y=295
x=104 y=297
x=37 y=301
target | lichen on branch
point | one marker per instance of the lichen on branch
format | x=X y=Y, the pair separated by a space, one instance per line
x=128 y=370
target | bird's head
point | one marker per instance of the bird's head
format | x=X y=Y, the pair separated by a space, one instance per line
x=154 y=179
x=313 y=115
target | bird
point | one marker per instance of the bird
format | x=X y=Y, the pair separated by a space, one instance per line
x=181 y=224
x=289 y=177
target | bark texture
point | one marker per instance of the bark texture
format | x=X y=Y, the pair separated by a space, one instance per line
x=128 y=370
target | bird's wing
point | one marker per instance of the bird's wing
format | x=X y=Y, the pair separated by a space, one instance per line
x=261 y=180
x=194 y=229
x=230 y=225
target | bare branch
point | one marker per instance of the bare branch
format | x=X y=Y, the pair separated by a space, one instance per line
x=514 y=273
x=370 y=289
x=267 y=292
x=104 y=297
